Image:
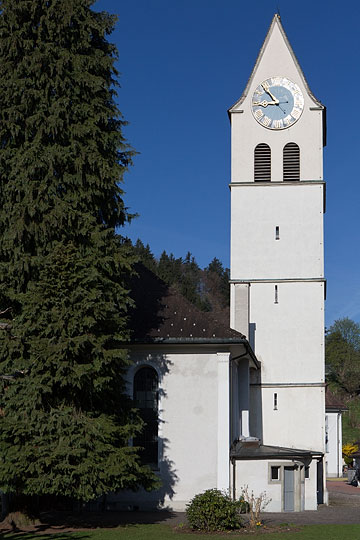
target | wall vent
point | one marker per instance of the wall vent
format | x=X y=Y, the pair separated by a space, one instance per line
x=291 y=162
x=262 y=163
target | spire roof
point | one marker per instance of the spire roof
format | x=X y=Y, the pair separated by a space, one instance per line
x=276 y=21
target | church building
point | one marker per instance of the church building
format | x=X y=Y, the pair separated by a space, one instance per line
x=244 y=404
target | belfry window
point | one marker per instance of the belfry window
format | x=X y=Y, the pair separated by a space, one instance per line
x=291 y=162
x=262 y=163
x=146 y=399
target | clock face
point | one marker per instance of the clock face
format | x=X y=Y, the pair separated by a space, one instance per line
x=277 y=103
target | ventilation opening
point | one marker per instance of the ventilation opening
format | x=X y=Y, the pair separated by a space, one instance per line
x=262 y=163
x=291 y=162
x=276 y=295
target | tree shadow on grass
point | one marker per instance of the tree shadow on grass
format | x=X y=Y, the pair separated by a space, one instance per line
x=63 y=523
x=29 y=535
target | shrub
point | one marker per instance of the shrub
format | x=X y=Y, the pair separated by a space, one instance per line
x=347 y=450
x=213 y=511
x=256 y=505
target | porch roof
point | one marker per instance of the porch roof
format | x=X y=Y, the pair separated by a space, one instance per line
x=244 y=450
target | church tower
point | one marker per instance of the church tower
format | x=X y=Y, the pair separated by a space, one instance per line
x=277 y=265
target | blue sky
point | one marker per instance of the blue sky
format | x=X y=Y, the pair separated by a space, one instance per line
x=183 y=63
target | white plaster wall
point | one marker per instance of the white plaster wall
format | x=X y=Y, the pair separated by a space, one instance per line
x=246 y=133
x=289 y=336
x=334 y=459
x=255 y=475
x=256 y=210
x=188 y=419
x=311 y=488
x=192 y=413
x=298 y=421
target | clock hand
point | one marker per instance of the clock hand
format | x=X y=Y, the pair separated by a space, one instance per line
x=267 y=90
x=265 y=103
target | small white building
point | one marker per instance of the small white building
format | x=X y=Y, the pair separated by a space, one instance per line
x=333 y=439
x=228 y=407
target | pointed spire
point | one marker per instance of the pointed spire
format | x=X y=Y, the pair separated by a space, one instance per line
x=276 y=22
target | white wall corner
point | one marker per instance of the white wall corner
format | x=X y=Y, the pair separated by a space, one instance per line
x=223 y=421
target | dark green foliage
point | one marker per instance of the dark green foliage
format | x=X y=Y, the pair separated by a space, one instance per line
x=66 y=421
x=218 y=280
x=213 y=511
x=351 y=419
x=145 y=255
x=343 y=355
x=207 y=289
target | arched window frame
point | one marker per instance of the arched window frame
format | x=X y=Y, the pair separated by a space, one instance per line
x=149 y=437
x=291 y=162
x=262 y=163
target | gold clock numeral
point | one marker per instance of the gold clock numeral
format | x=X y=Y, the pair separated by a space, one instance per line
x=273 y=97
x=296 y=113
x=266 y=121
x=278 y=124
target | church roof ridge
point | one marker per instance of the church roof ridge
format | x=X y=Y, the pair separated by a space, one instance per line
x=276 y=20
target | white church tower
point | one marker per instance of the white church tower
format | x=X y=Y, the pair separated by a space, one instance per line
x=277 y=274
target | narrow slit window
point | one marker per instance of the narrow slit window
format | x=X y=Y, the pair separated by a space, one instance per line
x=276 y=295
x=262 y=163
x=291 y=162
x=277 y=233
x=275 y=401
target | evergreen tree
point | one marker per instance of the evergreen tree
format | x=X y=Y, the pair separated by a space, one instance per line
x=65 y=420
x=218 y=280
x=145 y=255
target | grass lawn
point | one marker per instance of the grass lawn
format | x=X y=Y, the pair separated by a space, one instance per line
x=164 y=532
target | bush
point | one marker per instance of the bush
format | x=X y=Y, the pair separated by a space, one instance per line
x=213 y=511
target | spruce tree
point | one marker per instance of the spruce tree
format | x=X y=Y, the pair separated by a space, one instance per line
x=65 y=419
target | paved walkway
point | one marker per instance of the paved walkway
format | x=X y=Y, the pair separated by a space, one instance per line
x=343 y=509
x=344 y=504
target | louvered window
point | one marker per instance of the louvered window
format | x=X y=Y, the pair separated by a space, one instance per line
x=291 y=162
x=262 y=163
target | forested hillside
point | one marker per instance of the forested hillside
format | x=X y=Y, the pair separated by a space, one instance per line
x=208 y=288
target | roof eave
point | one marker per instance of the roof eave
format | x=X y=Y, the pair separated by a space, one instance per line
x=169 y=341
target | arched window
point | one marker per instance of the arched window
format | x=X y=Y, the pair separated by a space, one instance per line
x=146 y=399
x=291 y=162
x=262 y=163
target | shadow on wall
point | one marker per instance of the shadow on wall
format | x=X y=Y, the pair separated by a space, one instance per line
x=256 y=419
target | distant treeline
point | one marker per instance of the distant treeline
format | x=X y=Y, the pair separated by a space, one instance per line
x=208 y=289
